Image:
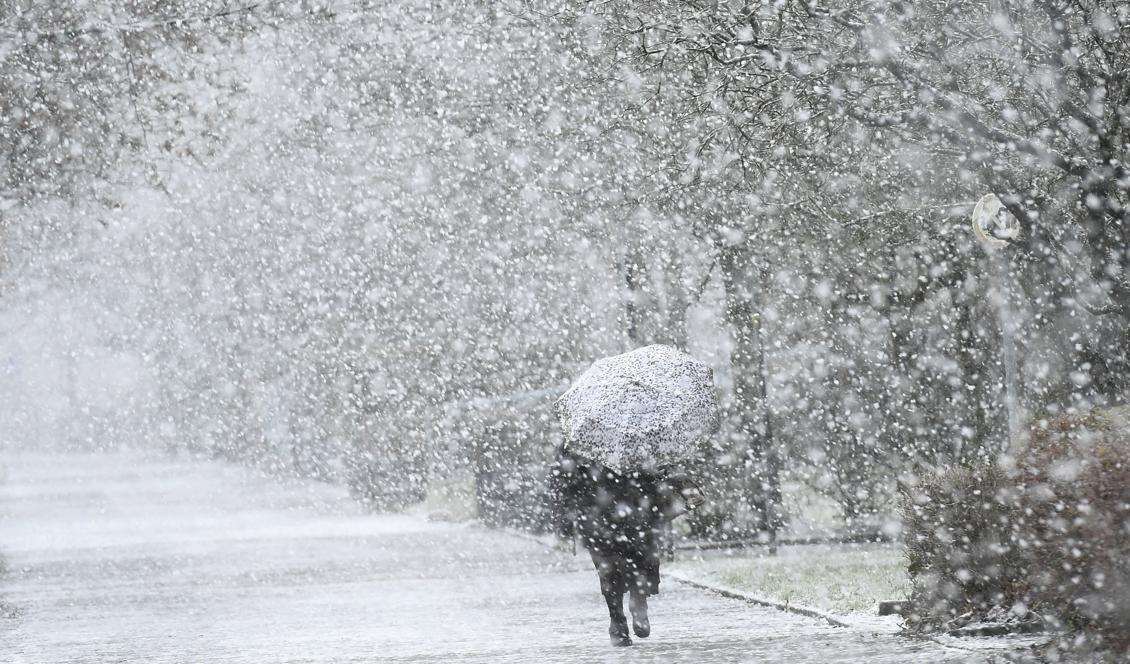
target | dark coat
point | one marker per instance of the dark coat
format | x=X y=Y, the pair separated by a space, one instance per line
x=619 y=518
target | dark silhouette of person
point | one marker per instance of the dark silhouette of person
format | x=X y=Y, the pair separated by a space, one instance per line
x=620 y=519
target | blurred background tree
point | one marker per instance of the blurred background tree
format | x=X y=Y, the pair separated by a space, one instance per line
x=367 y=243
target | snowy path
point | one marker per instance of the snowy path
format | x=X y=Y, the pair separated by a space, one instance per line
x=122 y=558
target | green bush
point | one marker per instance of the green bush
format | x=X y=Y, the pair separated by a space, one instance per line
x=1046 y=529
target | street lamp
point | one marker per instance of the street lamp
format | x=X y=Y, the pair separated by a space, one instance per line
x=996 y=228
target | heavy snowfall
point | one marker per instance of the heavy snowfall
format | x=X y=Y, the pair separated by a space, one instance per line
x=414 y=331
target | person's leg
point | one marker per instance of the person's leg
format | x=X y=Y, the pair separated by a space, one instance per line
x=644 y=582
x=641 y=586
x=618 y=622
x=637 y=604
x=613 y=584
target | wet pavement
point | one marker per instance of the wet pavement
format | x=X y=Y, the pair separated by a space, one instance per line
x=123 y=557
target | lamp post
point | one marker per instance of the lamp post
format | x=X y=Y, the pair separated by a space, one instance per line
x=996 y=227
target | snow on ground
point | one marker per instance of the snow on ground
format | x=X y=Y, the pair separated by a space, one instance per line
x=127 y=558
x=843 y=583
x=841 y=579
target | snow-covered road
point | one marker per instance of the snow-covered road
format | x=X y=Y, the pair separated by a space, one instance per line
x=127 y=558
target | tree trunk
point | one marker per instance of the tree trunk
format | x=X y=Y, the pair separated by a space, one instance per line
x=644 y=322
x=635 y=277
x=754 y=422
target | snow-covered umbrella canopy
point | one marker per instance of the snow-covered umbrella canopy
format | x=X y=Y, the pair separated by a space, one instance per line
x=646 y=408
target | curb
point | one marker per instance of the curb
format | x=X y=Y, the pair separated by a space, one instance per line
x=733 y=593
x=548 y=541
x=807 y=611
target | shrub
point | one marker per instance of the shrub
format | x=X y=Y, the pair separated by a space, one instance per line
x=1046 y=529
x=959 y=545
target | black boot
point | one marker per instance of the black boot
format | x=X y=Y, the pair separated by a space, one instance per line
x=618 y=633
x=618 y=626
x=637 y=604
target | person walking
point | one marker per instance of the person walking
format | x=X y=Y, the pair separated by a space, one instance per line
x=627 y=422
x=620 y=519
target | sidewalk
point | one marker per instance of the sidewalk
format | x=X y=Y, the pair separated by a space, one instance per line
x=128 y=558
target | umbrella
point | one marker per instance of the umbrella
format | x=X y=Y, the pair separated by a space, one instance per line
x=646 y=408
